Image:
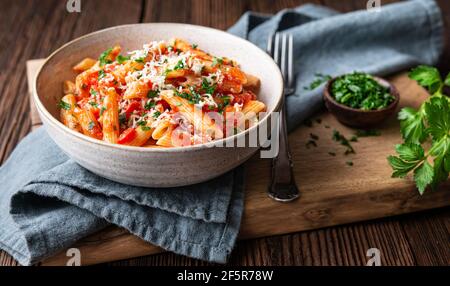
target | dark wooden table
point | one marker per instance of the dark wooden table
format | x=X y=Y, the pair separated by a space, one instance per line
x=33 y=29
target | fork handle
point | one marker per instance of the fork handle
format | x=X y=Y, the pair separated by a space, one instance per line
x=283 y=187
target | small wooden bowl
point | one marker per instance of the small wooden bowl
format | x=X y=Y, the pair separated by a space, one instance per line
x=357 y=117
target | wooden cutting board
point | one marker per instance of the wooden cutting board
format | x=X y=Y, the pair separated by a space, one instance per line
x=333 y=192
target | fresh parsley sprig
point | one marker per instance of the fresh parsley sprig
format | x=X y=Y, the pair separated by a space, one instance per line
x=429 y=123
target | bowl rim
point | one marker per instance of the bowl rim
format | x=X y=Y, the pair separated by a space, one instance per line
x=58 y=124
x=392 y=90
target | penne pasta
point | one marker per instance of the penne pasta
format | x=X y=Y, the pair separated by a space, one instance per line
x=160 y=129
x=89 y=124
x=166 y=139
x=69 y=87
x=85 y=64
x=68 y=104
x=110 y=116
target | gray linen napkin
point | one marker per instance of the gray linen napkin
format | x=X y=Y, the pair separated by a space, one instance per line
x=47 y=202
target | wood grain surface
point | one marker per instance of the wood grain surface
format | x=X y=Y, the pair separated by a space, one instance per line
x=35 y=28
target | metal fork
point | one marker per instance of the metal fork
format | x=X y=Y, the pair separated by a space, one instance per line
x=283 y=187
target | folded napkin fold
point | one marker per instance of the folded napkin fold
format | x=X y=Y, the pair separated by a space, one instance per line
x=47 y=202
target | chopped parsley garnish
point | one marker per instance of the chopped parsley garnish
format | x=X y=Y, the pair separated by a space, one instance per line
x=122 y=118
x=193 y=97
x=217 y=61
x=338 y=137
x=194 y=46
x=367 y=133
x=179 y=65
x=152 y=93
x=207 y=87
x=226 y=100
x=156 y=114
x=102 y=110
x=101 y=74
x=318 y=81
x=361 y=91
x=93 y=103
x=150 y=104
x=311 y=143
x=93 y=92
x=313 y=136
x=64 y=105
x=121 y=59
x=140 y=60
x=103 y=59
x=145 y=128
x=91 y=125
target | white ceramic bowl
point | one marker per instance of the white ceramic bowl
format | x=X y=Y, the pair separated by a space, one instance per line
x=150 y=167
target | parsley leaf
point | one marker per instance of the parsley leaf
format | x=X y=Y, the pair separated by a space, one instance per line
x=207 y=87
x=429 y=124
x=101 y=74
x=64 y=105
x=152 y=93
x=217 y=61
x=179 y=65
x=150 y=104
x=103 y=59
x=121 y=59
x=156 y=114
x=423 y=176
x=427 y=77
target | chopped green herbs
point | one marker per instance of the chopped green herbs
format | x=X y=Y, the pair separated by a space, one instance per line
x=103 y=59
x=314 y=136
x=64 y=105
x=318 y=81
x=122 y=118
x=217 y=61
x=194 y=46
x=93 y=103
x=156 y=114
x=93 y=92
x=101 y=74
x=193 y=97
x=354 y=138
x=149 y=104
x=207 y=87
x=140 y=60
x=121 y=59
x=429 y=124
x=102 y=110
x=367 y=133
x=145 y=128
x=311 y=143
x=338 y=137
x=91 y=125
x=152 y=93
x=361 y=91
x=179 y=65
